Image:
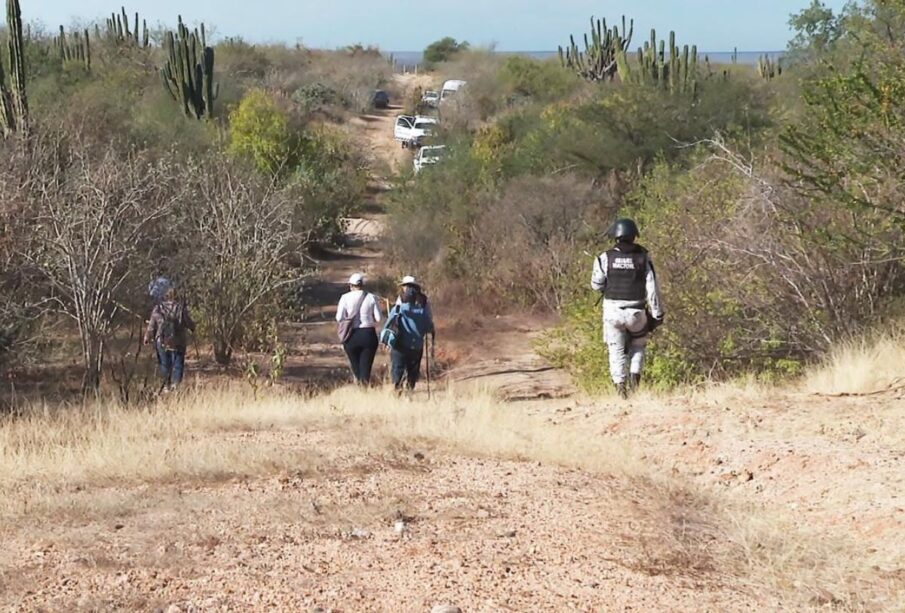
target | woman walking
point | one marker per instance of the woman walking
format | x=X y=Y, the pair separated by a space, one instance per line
x=362 y=312
x=411 y=319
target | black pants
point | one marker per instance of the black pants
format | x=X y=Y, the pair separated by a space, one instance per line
x=361 y=349
x=407 y=364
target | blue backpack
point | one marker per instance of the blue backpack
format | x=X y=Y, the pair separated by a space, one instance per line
x=390 y=334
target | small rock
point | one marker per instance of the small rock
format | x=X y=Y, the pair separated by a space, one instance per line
x=509 y=534
x=446 y=608
x=360 y=533
x=399 y=526
x=419 y=456
x=119 y=527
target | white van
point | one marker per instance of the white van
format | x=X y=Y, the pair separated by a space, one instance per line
x=450 y=88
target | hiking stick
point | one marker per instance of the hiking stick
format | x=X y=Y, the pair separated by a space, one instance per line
x=427 y=354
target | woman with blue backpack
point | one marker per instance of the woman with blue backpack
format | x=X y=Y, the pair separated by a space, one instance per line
x=409 y=322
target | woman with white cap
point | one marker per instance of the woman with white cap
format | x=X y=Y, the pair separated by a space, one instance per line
x=363 y=309
x=413 y=321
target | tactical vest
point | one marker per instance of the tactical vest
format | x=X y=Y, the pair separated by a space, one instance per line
x=626 y=275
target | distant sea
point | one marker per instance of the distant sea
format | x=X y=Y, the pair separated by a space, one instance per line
x=413 y=58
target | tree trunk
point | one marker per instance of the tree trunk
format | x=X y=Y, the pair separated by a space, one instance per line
x=93 y=355
x=223 y=351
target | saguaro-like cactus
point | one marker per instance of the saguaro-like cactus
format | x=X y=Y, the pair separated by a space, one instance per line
x=13 y=100
x=189 y=72
x=675 y=72
x=603 y=56
x=74 y=48
x=118 y=30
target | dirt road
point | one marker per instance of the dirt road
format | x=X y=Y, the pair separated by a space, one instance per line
x=508 y=362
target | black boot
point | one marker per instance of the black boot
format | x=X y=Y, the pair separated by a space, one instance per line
x=635 y=382
x=622 y=390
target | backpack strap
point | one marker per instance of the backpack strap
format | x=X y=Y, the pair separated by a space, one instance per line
x=356 y=312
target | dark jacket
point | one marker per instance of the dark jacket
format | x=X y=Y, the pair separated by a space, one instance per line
x=170 y=309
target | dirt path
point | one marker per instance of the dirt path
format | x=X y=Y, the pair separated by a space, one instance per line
x=498 y=355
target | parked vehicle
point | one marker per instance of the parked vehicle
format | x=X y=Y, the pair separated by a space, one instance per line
x=431 y=98
x=381 y=99
x=411 y=130
x=428 y=156
x=451 y=88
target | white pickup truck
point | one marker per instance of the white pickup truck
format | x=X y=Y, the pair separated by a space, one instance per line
x=428 y=156
x=411 y=130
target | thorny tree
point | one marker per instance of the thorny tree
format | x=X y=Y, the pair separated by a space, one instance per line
x=93 y=219
x=240 y=239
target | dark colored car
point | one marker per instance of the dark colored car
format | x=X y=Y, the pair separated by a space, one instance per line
x=381 y=99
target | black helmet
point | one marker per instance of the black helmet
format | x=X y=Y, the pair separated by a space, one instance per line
x=624 y=230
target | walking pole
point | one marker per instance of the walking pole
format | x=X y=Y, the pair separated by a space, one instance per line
x=428 y=356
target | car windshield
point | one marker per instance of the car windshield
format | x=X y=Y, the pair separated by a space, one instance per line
x=424 y=125
x=432 y=154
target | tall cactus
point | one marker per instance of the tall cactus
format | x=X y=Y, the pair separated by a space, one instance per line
x=13 y=100
x=602 y=57
x=75 y=48
x=187 y=77
x=676 y=72
x=118 y=30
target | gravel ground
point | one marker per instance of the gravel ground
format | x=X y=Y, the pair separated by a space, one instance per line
x=402 y=531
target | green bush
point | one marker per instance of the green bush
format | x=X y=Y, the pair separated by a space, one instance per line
x=443 y=50
x=261 y=130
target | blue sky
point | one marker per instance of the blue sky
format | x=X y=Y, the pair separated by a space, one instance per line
x=409 y=25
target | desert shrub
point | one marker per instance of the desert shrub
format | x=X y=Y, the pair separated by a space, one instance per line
x=539 y=80
x=483 y=97
x=319 y=163
x=317 y=97
x=261 y=130
x=240 y=60
x=351 y=76
x=426 y=215
x=330 y=181
x=238 y=244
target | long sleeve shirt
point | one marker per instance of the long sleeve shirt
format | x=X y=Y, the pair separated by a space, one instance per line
x=369 y=314
x=654 y=301
x=170 y=310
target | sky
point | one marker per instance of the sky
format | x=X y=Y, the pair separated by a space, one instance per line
x=409 y=25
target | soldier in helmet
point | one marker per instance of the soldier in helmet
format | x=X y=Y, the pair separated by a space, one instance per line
x=632 y=308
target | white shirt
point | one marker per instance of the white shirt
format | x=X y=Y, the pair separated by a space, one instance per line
x=368 y=316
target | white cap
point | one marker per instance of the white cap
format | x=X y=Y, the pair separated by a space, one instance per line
x=357 y=279
x=408 y=280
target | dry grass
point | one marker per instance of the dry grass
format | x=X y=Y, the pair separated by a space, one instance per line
x=54 y=459
x=862 y=367
x=45 y=450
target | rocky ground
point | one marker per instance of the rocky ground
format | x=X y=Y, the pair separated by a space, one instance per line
x=396 y=531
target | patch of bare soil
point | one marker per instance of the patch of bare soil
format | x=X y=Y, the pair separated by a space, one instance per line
x=400 y=530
